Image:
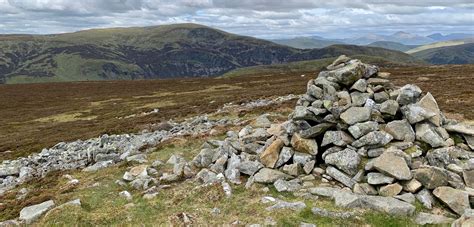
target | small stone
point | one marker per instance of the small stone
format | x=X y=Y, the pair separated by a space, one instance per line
x=250 y=167
x=286 y=154
x=355 y=114
x=390 y=190
x=309 y=166
x=468 y=177
x=360 y=85
x=408 y=94
x=136 y=172
x=373 y=139
x=267 y=176
x=302 y=158
x=359 y=99
x=428 y=134
x=360 y=129
x=287 y=205
x=206 y=176
x=309 y=146
x=338 y=138
x=293 y=169
x=375 y=178
x=415 y=113
x=269 y=157
x=429 y=103
x=340 y=176
x=412 y=186
x=389 y=107
x=364 y=189
x=126 y=195
x=286 y=186
x=315 y=131
x=407 y=197
x=401 y=130
x=425 y=198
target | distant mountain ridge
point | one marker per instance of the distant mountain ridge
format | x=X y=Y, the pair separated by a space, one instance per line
x=179 y=50
x=458 y=54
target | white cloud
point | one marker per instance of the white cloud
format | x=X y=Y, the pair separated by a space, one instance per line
x=263 y=18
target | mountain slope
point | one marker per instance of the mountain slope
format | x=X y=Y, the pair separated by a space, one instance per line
x=306 y=42
x=459 y=54
x=180 y=50
x=453 y=36
x=392 y=45
x=440 y=44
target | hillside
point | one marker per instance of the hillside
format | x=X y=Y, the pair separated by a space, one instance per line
x=169 y=51
x=459 y=54
x=392 y=45
x=306 y=42
x=440 y=44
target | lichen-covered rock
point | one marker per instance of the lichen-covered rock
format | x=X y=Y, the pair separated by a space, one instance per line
x=431 y=177
x=269 y=157
x=300 y=144
x=393 y=165
x=355 y=115
x=401 y=130
x=267 y=175
x=455 y=199
x=346 y=160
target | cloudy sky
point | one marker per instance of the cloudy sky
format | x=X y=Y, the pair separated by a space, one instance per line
x=261 y=18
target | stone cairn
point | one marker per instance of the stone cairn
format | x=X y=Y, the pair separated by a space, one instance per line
x=354 y=130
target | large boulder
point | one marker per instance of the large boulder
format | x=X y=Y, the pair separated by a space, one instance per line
x=408 y=94
x=455 y=199
x=348 y=74
x=429 y=103
x=32 y=213
x=392 y=165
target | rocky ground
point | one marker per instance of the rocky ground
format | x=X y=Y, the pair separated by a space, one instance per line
x=356 y=149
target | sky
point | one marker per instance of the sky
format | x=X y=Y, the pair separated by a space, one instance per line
x=259 y=18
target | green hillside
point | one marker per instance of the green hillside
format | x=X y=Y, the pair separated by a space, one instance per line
x=180 y=50
x=459 y=54
x=392 y=45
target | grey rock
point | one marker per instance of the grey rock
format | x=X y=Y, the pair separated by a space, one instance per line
x=338 y=138
x=346 y=160
x=304 y=224
x=359 y=99
x=348 y=74
x=412 y=185
x=406 y=197
x=360 y=85
x=381 y=97
x=373 y=139
x=98 y=165
x=364 y=189
x=467 y=219
x=389 y=107
x=431 y=177
x=468 y=176
x=455 y=199
x=262 y=121
x=286 y=186
x=126 y=195
x=309 y=166
x=315 y=91
x=460 y=128
x=408 y=94
x=203 y=159
x=392 y=165
x=331 y=214
x=390 y=190
x=340 y=176
x=426 y=198
x=32 y=213
x=375 y=178
x=302 y=158
x=267 y=176
x=373 y=153
x=388 y=205
x=360 y=129
x=415 y=113
x=429 y=103
x=250 y=167
x=286 y=154
x=300 y=144
x=294 y=169
x=296 y=206
x=315 y=131
x=206 y=176
x=355 y=114
x=426 y=132
x=431 y=219
x=401 y=130
x=469 y=141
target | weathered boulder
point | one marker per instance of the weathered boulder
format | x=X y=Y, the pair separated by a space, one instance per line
x=408 y=94
x=389 y=107
x=455 y=199
x=414 y=113
x=432 y=219
x=346 y=160
x=401 y=130
x=338 y=138
x=360 y=85
x=390 y=190
x=294 y=169
x=431 y=177
x=426 y=132
x=393 y=165
x=315 y=131
x=32 y=213
x=460 y=128
x=340 y=176
x=287 y=186
x=429 y=103
x=250 y=167
x=286 y=154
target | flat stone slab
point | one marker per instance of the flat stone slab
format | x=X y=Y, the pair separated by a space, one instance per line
x=32 y=213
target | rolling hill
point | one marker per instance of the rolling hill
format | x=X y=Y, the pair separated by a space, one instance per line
x=392 y=45
x=440 y=44
x=306 y=42
x=458 y=54
x=168 y=51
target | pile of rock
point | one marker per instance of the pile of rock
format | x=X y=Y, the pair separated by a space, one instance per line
x=354 y=127
x=97 y=153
